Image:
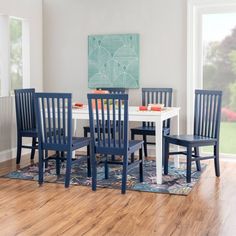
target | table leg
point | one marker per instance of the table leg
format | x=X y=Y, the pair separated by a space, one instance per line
x=176 y=157
x=75 y=132
x=159 y=150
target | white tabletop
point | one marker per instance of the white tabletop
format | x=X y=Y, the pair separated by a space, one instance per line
x=152 y=116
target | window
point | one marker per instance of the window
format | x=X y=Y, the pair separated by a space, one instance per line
x=14 y=54
x=16 y=60
x=211 y=61
x=219 y=70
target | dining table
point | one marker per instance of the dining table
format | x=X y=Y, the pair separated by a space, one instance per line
x=135 y=115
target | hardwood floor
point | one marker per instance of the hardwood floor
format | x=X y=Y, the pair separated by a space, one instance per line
x=27 y=209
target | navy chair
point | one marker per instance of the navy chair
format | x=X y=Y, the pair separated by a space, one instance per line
x=53 y=113
x=111 y=91
x=153 y=95
x=115 y=140
x=25 y=120
x=206 y=132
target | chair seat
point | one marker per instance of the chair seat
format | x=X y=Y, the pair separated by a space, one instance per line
x=149 y=130
x=133 y=146
x=190 y=139
x=79 y=142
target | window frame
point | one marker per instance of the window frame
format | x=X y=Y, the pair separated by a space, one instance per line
x=195 y=10
x=5 y=79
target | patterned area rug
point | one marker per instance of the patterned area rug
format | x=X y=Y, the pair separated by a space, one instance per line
x=174 y=183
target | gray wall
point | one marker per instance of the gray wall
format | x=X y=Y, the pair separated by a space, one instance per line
x=162 y=28
x=32 y=11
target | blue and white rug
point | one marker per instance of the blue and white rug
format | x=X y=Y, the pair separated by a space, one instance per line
x=174 y=183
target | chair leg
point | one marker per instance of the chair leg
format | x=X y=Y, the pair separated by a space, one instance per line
x=113 y=136
x=94 y=168
x=198 y=164
x=41 y=160
x=141 y=159
x=33 y=148
x=189 y=157
x=106 y=169
x=62 y=155
x=19 y=147
x=216 y=160
x=132 y=155
x=68 y=168
x=145 y=145
x=86 y=135
x=89 y=166
x=58 y=166
x=46 y=156
x=166 y=157
x=124 y=174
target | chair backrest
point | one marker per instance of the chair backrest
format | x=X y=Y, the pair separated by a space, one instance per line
x=25 y=112
x=157 y=95
x=207 y=113
x=114 y=90
x=109 y=125
x=54 y=120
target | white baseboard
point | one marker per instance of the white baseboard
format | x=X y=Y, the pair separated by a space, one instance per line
x=223 y=156
x=11 y=154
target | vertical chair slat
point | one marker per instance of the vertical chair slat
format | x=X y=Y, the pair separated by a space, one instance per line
x=108 y=123
x=49 y=120
x=69 y=121
x=59 y=120
x=22 y=112
x=207 y=115
x=26 y=110
x=144 y=102
x=114 y=122
x=196 y=116
x=210 y=116
x=214 y=116
x=64 y=121
x=97 y=120
x=103 y=123
x=148 y=101
x=218 y=115
x=54 y=121
x=152 y=97
x=199 y=114
x=44 y=121
x=29 y=109
x=119 y=122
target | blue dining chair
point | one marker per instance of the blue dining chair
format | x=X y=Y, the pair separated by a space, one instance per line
x=207 y=114
x=114 y=113
x=25 y=120
x=53 y=113
x=111 y=91
x=153 y=95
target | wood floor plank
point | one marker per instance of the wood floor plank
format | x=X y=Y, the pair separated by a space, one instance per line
x=27 y=209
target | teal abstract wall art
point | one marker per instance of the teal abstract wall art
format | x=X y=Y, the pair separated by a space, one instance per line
x=113 y=61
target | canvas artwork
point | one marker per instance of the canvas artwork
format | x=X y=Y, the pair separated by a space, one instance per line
x=113 y=61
